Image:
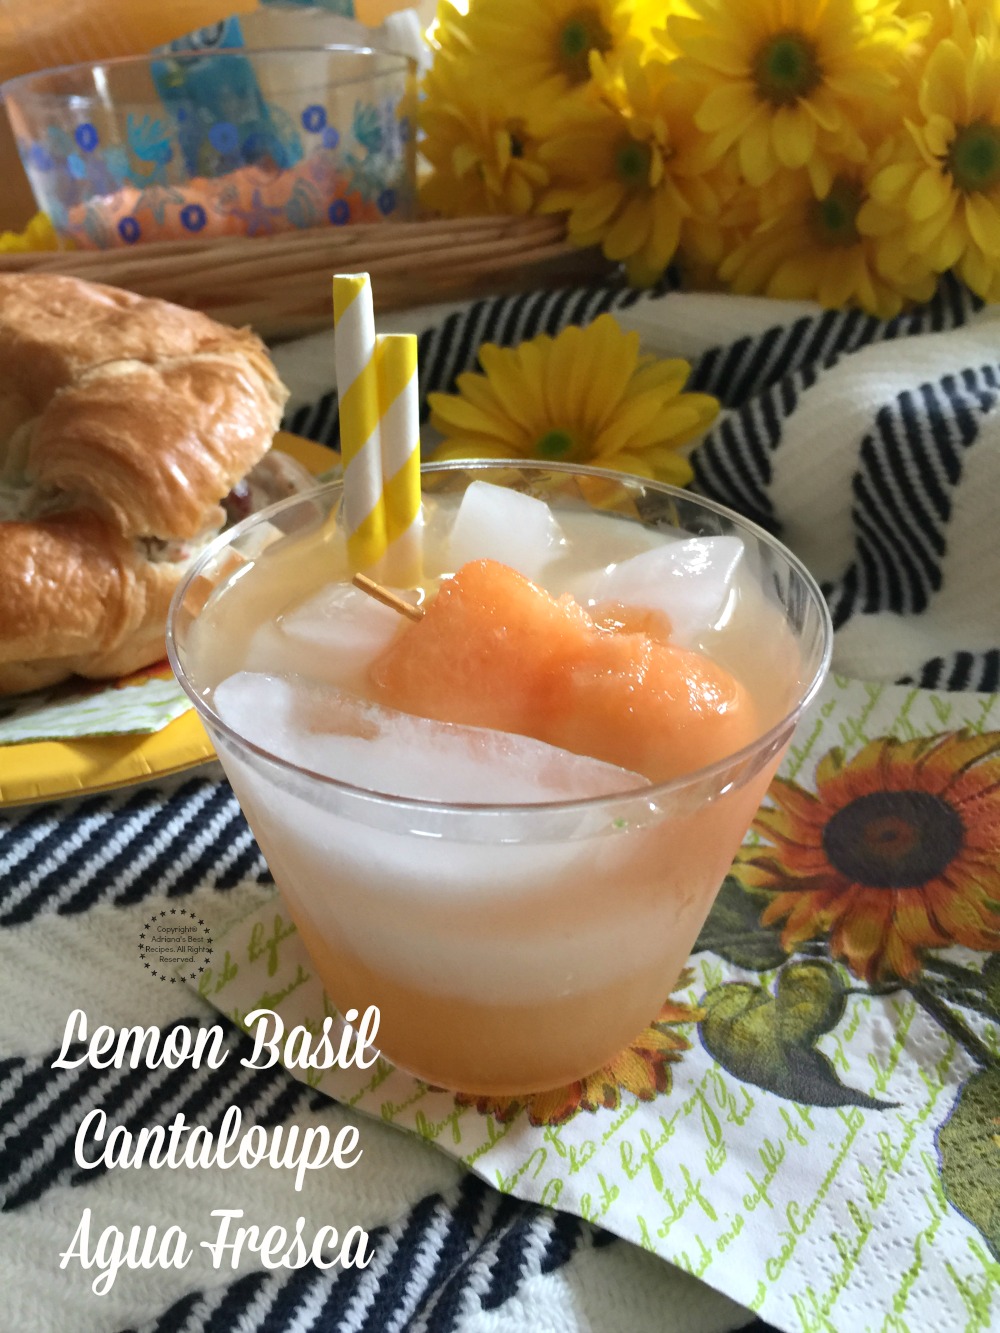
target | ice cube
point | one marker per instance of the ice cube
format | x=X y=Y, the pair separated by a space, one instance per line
x=339 y=631
x=343 y=623
x=691 y=581
x=494 y=523
x=341 y=736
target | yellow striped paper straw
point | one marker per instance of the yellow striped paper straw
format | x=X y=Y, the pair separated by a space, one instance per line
x=358 y=397
x=396 y=361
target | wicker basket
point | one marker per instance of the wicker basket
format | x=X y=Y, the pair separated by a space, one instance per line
x=280 y=285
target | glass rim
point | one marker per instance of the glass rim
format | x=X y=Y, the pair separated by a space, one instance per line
x=394 y=63
x=652 y=793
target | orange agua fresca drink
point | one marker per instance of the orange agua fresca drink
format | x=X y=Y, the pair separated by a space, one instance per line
x=504 y=823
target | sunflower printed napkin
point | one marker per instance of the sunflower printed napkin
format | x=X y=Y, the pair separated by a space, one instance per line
x=812 y=1122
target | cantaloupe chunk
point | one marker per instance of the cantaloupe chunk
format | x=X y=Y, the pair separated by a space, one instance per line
x=495 y=650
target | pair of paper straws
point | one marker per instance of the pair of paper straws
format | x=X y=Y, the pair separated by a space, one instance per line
x=379 y=436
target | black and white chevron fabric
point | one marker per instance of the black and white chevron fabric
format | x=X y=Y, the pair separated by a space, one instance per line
x=424 y=1268
x=873 y=450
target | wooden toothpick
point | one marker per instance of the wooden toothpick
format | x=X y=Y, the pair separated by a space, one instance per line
x=387 y=598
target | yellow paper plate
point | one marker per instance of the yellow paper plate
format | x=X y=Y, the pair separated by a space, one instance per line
x=52 y=770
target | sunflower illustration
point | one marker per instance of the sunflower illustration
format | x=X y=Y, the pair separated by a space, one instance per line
x=898 y=851
x=585 y=396
x=642 y=1069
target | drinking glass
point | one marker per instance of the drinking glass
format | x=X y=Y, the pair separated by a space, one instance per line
x=509 y=948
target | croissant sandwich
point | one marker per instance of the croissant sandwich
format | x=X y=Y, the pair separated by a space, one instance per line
x=131 y=431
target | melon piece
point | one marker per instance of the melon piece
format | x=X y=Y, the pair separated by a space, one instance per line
x=670 y=710
x=489 y=651
x=495 y=650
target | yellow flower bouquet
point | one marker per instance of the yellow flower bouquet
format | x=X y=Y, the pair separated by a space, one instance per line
x=845 y=151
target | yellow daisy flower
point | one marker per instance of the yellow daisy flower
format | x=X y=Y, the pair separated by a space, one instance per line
x=648 y=18
x=449 y=30
x=39 y=234
x=585 y=396
x=706 y=241
x=810 y=248
x=944 y=188
x=789 y=83
x=540 y=53
x=631 y=168
x=482 y=158
x=938 y=16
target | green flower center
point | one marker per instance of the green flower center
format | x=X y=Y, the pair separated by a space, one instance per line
x=632 y=162
x=894 y=839
x=833 y=219
x=582 y=32
x=556 y=444
x=974 y=157
x=786 y=68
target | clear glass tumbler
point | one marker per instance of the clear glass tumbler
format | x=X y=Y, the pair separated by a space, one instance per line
x=508 y=948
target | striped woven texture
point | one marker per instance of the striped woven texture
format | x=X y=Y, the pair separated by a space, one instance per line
x=870 y=447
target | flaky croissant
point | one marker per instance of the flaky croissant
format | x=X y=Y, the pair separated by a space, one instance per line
x=124 y=424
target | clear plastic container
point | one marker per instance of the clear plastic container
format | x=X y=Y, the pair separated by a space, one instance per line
x=508 y=948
